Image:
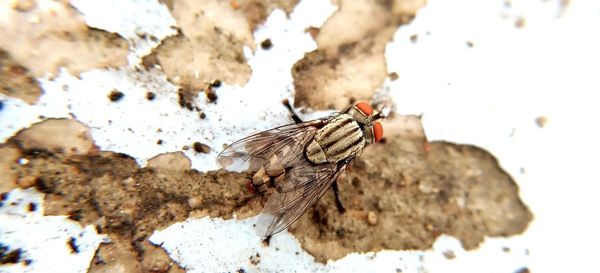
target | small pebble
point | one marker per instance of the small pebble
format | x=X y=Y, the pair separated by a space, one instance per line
x=372 y=218
x=195 y=202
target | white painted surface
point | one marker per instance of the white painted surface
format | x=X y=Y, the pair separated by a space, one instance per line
x=216 y=245
x=143 y=23
x=487 y=95
x=490 y=95
x=44 y=239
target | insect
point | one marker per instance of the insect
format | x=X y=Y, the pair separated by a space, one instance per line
x=300 y=162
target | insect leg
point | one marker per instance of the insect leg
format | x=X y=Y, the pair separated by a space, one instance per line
x=338 y=202
x=293 y=114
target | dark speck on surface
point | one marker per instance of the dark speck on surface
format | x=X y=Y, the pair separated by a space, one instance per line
x=267 y=241
x=201 y=148
x=150 y=96
x=266 y=44
x=72 y=243
x=32 y=207
x=211 y=95
x=9 y=257
x=413 y=38
x=216 y=84
x=115 y=95
x=255 y=259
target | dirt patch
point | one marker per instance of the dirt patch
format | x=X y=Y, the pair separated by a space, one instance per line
x=16 y=81
x=401 y=194
x=30 y=31
x=349 y=64
x=399 y=197
x=109 y=190
x=58 y=135
x=8 y=176
x=256 y=12
x=207 y=48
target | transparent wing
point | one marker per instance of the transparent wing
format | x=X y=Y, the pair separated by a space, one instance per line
x=303 y=185
x=253 y=152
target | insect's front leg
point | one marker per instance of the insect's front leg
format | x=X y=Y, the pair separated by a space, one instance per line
x=338 y=202
x=293 y=114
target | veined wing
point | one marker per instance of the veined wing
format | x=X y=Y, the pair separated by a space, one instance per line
x=303 y=185
x=253 y=152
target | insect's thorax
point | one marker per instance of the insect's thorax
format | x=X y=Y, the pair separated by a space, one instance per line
x=340 y=139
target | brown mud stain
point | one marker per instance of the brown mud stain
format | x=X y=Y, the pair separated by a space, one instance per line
x=349 y=63
x=397 y=196
x=256 y=12
x=67 y=136
x=16 y=81
x=30 y=33
x=207 y=47
x=9 y=157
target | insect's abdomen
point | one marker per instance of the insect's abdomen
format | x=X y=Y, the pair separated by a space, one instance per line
x=339 y=139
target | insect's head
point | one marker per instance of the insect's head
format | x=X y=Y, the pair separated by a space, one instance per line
x=369 y=120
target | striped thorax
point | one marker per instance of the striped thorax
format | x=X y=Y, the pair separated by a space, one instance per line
x=338 y=140
x=345 y=136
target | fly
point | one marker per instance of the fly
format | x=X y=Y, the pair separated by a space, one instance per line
x=301 y=161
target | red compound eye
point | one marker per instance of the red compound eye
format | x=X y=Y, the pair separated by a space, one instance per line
x=377 y=131
x=365 y=108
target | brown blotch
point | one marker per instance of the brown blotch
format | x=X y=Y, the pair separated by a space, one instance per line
x=541 y=121
x=45 y=38
x=413 y=38
x=350 y=59
x=520 y=22
x=16 y=81
x=206 y=47
x=187 y=95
